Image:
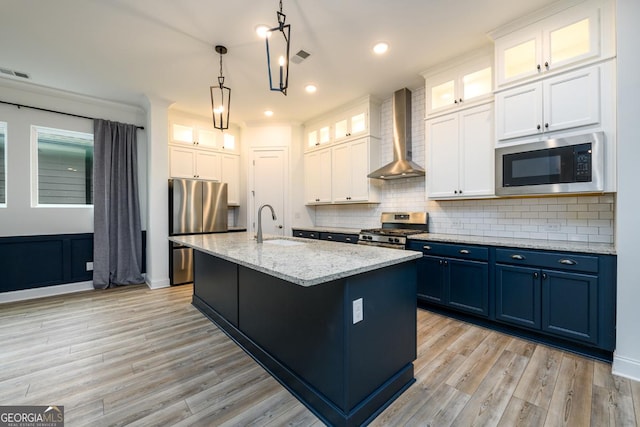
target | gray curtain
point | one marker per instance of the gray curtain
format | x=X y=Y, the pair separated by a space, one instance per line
x=117 y=235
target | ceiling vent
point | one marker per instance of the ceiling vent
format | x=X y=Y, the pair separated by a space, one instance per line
x=14 y=73
x=300 y=56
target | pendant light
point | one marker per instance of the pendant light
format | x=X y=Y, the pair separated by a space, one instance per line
x=280 y=52
x=220 y=98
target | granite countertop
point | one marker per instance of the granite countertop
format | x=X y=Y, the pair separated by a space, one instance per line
x=552 y=245
x=342 y=230
x=305 y=262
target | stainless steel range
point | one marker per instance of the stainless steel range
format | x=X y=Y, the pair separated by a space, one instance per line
x=396 y=226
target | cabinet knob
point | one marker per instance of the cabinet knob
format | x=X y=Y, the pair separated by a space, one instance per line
x=546 y=125
x=446 y=262
x=538 y=127
x=455 y=101
x=535 y=275
x=459 y=191
x=544 y=276
x=455 y=191
x=538 y=67
x=441 y=262
x=460 y=100
x=546 y=65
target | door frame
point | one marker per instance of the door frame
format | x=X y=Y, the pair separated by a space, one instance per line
x=251 y=207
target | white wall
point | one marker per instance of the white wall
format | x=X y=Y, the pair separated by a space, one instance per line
x=18 y=218
x=627 y=354
x=273 y=135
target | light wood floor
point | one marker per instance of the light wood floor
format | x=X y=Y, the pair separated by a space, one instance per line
x=132 y=356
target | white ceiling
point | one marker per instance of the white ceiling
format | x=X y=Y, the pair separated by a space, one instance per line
x=121 y=50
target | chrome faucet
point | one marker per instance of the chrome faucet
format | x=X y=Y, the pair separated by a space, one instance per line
x=273 y=215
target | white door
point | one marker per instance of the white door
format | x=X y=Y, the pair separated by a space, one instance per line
x=269 y=187
x=477 y=151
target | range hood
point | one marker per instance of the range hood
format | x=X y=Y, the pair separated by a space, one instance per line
x=402 y=166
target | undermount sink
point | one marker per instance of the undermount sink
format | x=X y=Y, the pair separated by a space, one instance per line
x=283 y=242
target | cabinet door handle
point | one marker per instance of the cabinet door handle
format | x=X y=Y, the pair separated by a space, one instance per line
x=535 y=275
x=517 y=256
x=329 y=237
x=546 y=125
x=546 y=65
x=426 y=247
x=567 y=261
x=538 y=67
x=446 y=262
x=312 y=235
x=348 y=239
x=538 y=127
x=441 y=262
x=544 y=276
x=460 y=100
x=464 y=251
x=455 y=101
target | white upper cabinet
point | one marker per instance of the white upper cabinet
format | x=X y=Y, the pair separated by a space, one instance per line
x=572 y=37
x=460 y=154
x=350 y=164
x=189 y=163
x=354 y=120
x=230 y=174
x=459 y=86
x=317 y=176
x=560 y=102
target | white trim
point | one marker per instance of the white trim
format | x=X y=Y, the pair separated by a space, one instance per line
x=625 y=367
x=27 y=294
x=157 y=284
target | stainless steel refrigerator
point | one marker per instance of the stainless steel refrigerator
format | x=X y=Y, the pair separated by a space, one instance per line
x=195 y=207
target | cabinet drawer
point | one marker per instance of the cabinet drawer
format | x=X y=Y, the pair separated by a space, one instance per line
x=339 y=237
x=306 y=234
x=449 y=250
x=555 y=260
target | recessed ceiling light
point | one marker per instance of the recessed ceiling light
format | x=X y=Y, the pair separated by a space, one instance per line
x=380 y=48
x=311 y=88
x=262 y=31
x=268 y=113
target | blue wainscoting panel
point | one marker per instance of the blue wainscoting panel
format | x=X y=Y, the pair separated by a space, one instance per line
x=28 y=262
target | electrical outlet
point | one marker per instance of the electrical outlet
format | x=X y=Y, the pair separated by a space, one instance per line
x=552 y=227
x=358 y=311
x=90 y=266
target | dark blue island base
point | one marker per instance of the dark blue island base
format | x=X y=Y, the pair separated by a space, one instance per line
x=345 y=373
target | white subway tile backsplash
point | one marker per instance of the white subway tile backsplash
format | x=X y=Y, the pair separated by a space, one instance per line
x=573 y=218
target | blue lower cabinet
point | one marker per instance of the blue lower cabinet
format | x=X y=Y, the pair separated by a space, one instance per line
x=462 y=284
x=566 y=299
x=570 y=305
x=518 y=296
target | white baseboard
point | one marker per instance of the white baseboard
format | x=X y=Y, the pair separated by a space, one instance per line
x=625 y=367
x=157 y=284
x=47 y=291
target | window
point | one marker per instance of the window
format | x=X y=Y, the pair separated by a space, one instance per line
x=64 y=165
x=3 y=163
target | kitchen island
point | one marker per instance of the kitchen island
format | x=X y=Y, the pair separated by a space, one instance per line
x=334 y=323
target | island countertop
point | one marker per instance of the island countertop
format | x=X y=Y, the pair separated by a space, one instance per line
x=304 y=262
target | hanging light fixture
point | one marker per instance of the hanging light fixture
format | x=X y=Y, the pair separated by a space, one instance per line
x=220 y=98
x=280 y=53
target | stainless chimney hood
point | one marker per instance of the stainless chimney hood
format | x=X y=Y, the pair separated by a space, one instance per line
x=402 y=166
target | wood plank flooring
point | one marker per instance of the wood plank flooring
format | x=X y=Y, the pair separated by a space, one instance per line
x=132 y=356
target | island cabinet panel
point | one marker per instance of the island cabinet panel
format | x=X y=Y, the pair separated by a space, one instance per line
x=311 y=329
x=345 y=348
x=216 y=283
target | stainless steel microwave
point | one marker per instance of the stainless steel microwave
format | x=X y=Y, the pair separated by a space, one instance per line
x=564 y=165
